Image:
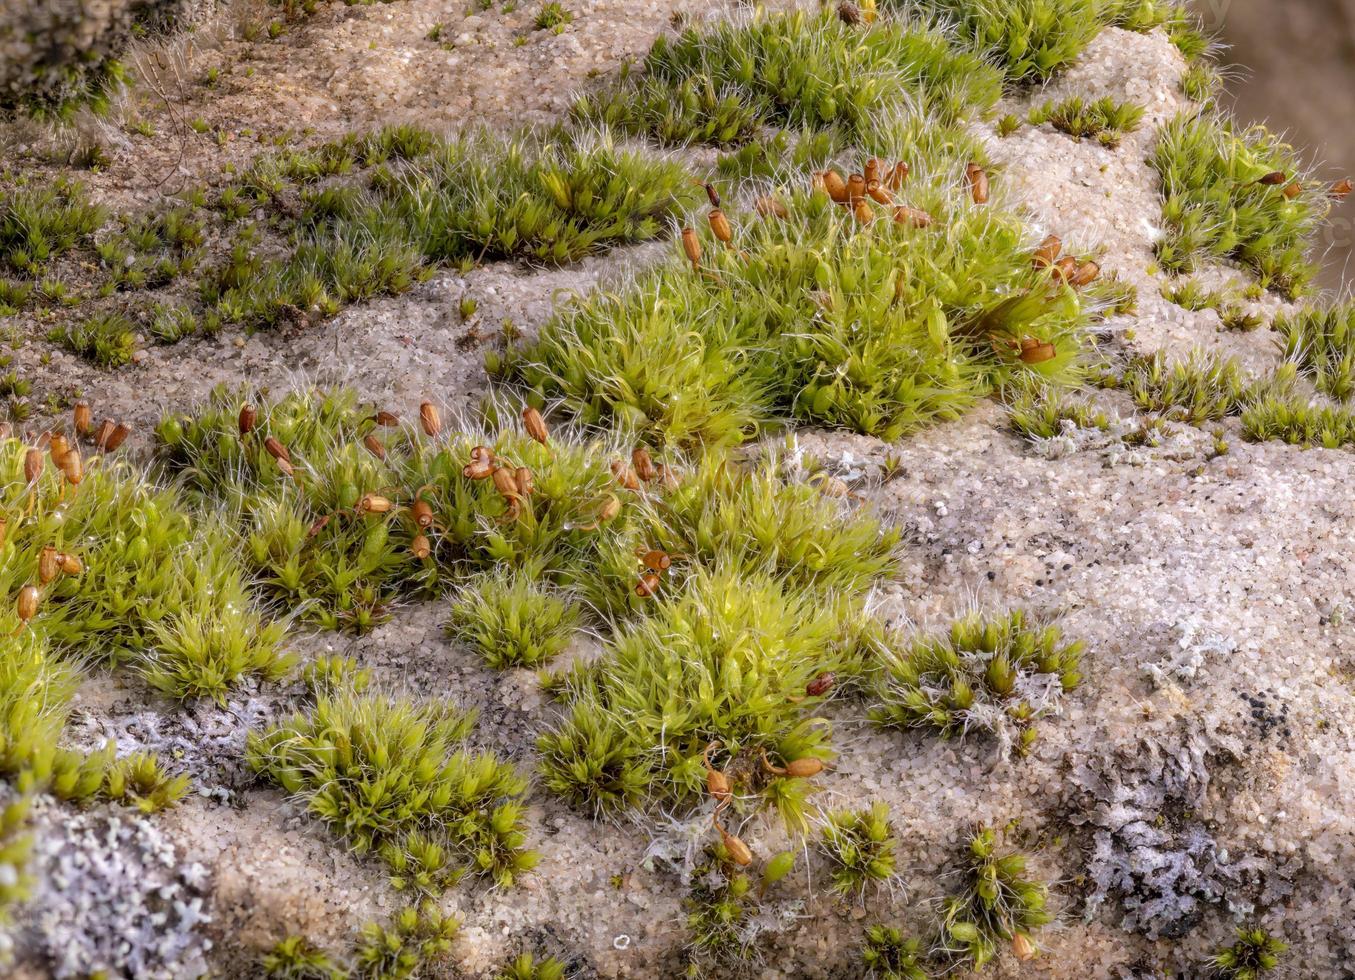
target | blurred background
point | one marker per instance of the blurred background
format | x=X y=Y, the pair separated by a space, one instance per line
x=1291 y=64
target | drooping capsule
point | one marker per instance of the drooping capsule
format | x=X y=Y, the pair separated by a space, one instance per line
x=1047 y=251
x=49 y=564
x=978 y=183
x=535 y=425
x=71 y=564
x=84 y=419
x=429 y=419
x=1036 y=351
x=719 y=224
x=856 y=189
x=276 y=449
x=1340 y=190
x=914 y=217
x=879 y=193
x=34 y=464
x=648 y=586
x=420 y=547
x=862 y=211
x=246 y=419
x=821 y=684
x=27 y=605
x=897 y=176
x=835 y=186
x=691 y=246
x=770 y=207
x=643 y=464
x=1085 y=274
x=421 y=512
x=374 y=446
x=118 y=436
x=656 y=560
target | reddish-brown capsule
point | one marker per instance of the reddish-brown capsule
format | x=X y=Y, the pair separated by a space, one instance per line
x=897 y=176
x=27 y=606
x=105 y=433
x=691 y=245
x=388 y=419
x=318 y=525
x=1273 y=178
x=374 y=503
x=1340 y=190
x=276 y=449
x=648 y=586
x=711 y=194
x=1047 y=251
x=1036 y=351
x=1065 y=268
x=806 y=768
x=849 y=13
x=856 y=189
x=914 y=217
x=34 y=464
x=535 y=425
x=610 y=508
x=48 y=564
x=643 y=464
x=420 y=547
x=84 y=419
x=70 y=564
x=481 y=453
x=835 y=186
x=719 y=224
x=286 y=467
x=1292 y=190
x=1022 y=948
x=421 y=512
x=478 y=469
x=770 y=207
x=73 y=466
x=625 y=475
x=978 y=183
x=57 y=447
x=862 y=212
x=719 y=786
x=656 y=560
x=873 y=170
x=374 y=446
x=118 y=436
x=505 y=481
x=430 y=419
x=821 y=684
x=879 y=193
x=248 y=416
x=1085 y=274
x=738 y=850
x=522 y=478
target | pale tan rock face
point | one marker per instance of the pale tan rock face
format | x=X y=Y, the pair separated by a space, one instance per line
x=1203 y=773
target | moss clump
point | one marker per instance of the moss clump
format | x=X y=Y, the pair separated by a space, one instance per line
x=995 y=674
x=108 y=339
x=416 y=937
x=1289 y=419
x=887 y=955
x=996 y=902
x=880 y=328
x=1042 y=412
x=860 y=848
x=723 y=84
x=1322 y=342
x=389 y=777
x=723 y=666
x=140 y=780
x=528 y=967
x=1205 y=387
x=553 y=17
x=511 y=620
x=1104 y=120
x=38 y=225
x=1237 y=195
x=1255 y=954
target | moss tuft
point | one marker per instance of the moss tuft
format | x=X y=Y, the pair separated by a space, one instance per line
x=1322 y=342
x=860 y=847
x=996 y=902
x=512 y=620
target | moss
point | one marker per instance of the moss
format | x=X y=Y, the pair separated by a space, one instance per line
x=1321 y=340
x=39 y=225
x=416 y=937
x=881 y=328
x=553 y=17
x=1042 y=412
x=1190 y=295
x=140 y=780
x=1104 y=120
x=389 y=776
x=1029 y=39
x=995 y=674
x=722 y=84
x=108 y=339
x=1203 y=388
x=887 y=955
x=1289 y=419
x=1237 y=195
x=1254 y=954
x=528 y=967
x=860 y=847
x=995 y=902
x=16 y=848
x=512 y=621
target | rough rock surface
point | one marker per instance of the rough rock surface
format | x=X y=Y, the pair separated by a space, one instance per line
x=1200 y=775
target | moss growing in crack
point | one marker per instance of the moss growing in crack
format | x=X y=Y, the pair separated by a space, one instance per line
x=1104 y=120
x=415 y=938
x=1321 y=341
x=140 y=780
x=328 y=675
x=723 y=84
x=1254 y=954
x=995 y=674
x=1237 y=195
x=887 y=955
x=511 y=620
x=859 y=845
x=717 y=675
x=389 y=776
x=995 y=902
x=880 y=328
x=528 y=967
x=1287 y=418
